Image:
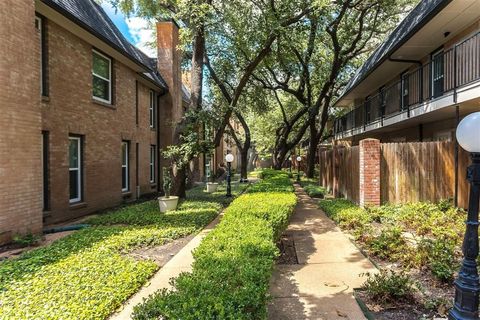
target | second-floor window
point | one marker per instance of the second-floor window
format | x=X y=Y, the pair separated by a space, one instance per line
x=40 y=26
x=437 y=70
x=102 y=77
x=404 y=94
x=152 y=108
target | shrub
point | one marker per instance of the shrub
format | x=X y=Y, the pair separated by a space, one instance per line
x=312 y=188
x=439 y=256
x=388 y=286
x=348 y=215
x=390 y=244
x=273 y=181
x=88 y=274
x=233 y=264
x=26 y=240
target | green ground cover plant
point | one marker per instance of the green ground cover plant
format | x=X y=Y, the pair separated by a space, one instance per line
x=312 y=188
x=388 y=286
x=233 y=264
x=415 y=234
x=88 y=274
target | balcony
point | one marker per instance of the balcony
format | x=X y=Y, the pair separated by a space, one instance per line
x=445 y=75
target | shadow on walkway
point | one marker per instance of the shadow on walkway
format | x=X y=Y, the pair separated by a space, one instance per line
x=329 y=267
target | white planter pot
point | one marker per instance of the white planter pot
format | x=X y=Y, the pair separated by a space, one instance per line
x=212 y=187
x=167 y=204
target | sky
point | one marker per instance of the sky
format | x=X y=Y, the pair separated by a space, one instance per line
x=134 y=29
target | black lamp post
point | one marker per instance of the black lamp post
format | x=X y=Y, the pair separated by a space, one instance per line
x=467 y=288
x=229 y=158
x=290 y=164
x=298 y=168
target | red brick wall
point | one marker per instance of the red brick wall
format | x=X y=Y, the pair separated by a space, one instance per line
x=20 y=120
x=70 y=109
x=369 y=172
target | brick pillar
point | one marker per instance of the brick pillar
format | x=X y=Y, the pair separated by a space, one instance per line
x=369 y=172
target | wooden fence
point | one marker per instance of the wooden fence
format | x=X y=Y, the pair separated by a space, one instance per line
x=343 y=173
x=412 y=171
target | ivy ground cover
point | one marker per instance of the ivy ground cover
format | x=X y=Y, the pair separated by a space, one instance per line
x=88 y=274
x=234 y=263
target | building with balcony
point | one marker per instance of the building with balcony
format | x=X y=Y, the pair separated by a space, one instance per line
x=421 y=81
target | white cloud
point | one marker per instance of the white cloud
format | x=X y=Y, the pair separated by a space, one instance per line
x=142 y=33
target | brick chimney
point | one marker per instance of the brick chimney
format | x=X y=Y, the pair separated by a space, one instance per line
x=169 y=59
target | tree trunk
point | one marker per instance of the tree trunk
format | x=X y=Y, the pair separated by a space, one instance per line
x=179 y=183
x=312 y=150
x=243 y=164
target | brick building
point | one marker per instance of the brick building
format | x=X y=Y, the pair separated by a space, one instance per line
x=83 y=112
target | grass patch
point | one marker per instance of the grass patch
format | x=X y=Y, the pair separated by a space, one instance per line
x=88 y=275
x=233 y=264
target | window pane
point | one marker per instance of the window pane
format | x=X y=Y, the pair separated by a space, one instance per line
x=74 y=192
x=124 y=178
x=124 y=154
x=73 y=153
x=101 y=88
x=101 y=66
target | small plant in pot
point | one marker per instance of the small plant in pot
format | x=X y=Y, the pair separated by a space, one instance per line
x=211 y=184
x=167 y=202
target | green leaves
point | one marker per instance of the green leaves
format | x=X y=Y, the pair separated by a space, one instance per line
x=233 y=264
x=89 y=274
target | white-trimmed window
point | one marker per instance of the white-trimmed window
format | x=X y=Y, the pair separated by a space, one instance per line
x=40 y=26
x=101 y=77
x=125 y=165
x=152 y=109
x=75 y=168
x=152 y=163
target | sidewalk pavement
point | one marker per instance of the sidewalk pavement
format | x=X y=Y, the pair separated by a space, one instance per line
x=329 y=267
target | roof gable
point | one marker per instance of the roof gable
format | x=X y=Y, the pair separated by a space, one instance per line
x=90 y=15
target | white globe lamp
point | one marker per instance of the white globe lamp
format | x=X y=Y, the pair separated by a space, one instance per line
x=468 y=133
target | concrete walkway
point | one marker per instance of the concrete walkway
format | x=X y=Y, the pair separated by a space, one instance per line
x=321 y=285
x=181 y=262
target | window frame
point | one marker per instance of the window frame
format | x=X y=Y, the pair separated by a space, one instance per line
x=79 y=168
x=126 y=159
x=434 y=63
x=40 y=26
x=45 y=171
x=110 y=64
x=152 y=108
x=153 y=157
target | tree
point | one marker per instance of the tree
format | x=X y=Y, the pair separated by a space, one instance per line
x=313 y=64
x=238 y=42
x=194 y=14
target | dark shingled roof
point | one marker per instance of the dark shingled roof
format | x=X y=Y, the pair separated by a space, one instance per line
x=89 y=15
x=415 y=20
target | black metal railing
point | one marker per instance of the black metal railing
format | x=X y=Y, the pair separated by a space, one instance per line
x=444 y=73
